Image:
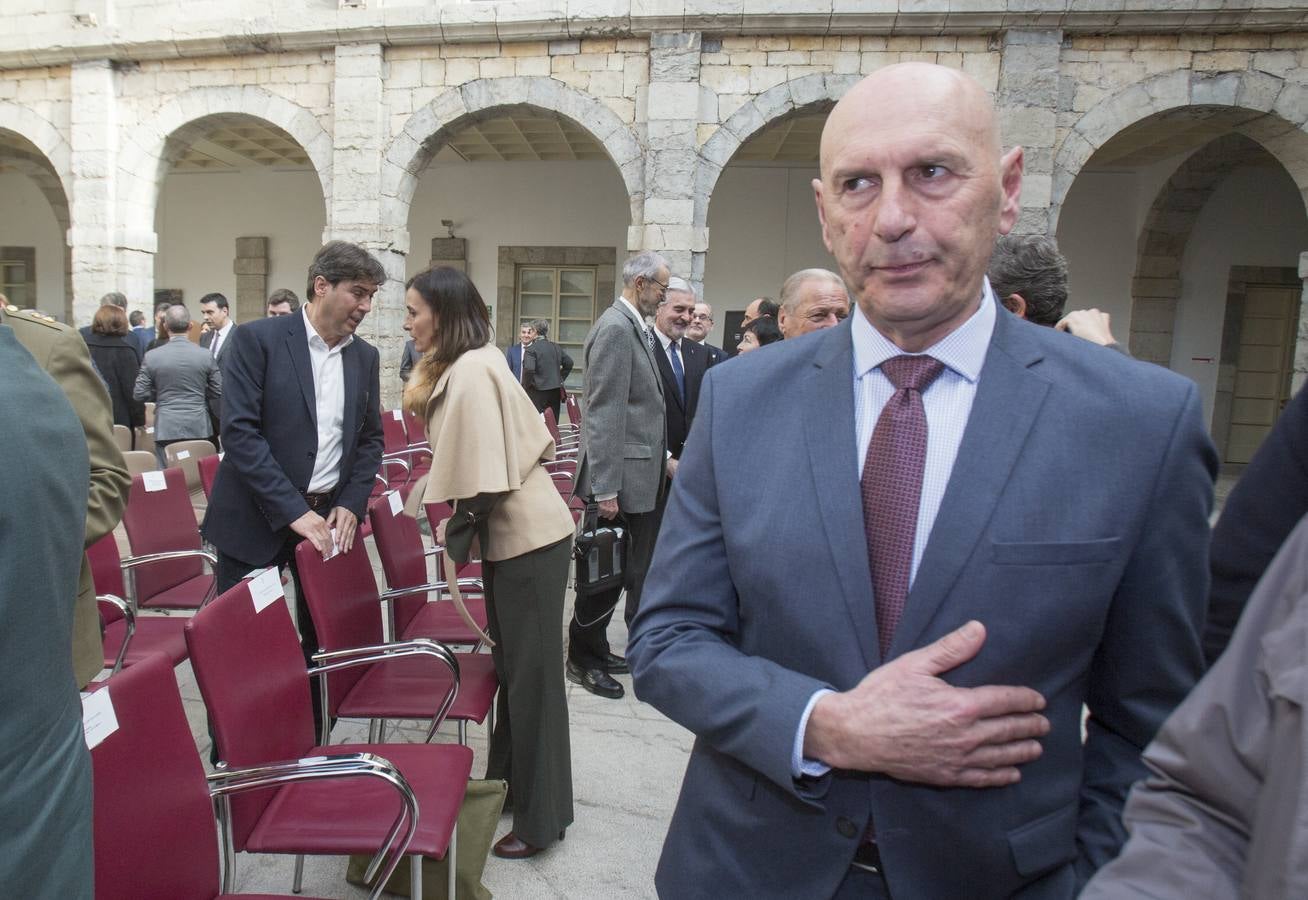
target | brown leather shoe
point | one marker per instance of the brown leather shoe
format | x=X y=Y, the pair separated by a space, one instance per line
x=513 y=847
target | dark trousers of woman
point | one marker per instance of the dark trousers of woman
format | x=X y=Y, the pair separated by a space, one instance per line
x=530 y=747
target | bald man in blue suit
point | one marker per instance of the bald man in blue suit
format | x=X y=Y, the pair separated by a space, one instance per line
x=1058 y=557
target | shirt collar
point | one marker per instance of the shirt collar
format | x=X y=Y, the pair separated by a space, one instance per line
x=664 y=339
x=315 y=339
x=635 y=312
x=963 y=350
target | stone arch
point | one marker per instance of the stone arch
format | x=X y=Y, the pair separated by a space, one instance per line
x=428 y=128
x=46 y=138
x=148 y=148
x=802 y=94
x=1156 y=287
x=1266 y=108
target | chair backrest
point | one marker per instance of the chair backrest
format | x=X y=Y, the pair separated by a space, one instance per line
x=551 y=423
x=208 y=471
x=574 y=410
x=123 y=437
x=155 y=837
x=157 y=521
x=343 y=601
x=437 y=511
x=149 y=413
x=416 y=427
x=250 y=670
x=394 y=435
x=107 y=573
x=144 y=438
x=186 y=455
x=399 y=544
x=139 y=461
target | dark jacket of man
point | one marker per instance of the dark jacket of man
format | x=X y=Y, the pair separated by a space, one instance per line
x=1091 y=592
x=270 y=437
x=1262 y=509
x=545 y=365
x=45 y=770
x=681 y=412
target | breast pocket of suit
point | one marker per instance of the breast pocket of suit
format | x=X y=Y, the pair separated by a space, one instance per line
x=1055 y=553
x=636 y=451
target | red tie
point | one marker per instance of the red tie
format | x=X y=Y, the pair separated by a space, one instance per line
x=892 y=487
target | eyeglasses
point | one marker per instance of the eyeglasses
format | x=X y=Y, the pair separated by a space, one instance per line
x=701 y=317
x=663 y=288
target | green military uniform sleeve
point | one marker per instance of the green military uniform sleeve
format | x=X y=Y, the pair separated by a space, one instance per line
x=64 y=355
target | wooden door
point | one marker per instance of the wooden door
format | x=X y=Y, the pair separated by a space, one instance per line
x=1262 y=376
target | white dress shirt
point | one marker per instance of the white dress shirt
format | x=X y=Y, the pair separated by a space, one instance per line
x=220 y=337
x=948 y=404
x=329 y=400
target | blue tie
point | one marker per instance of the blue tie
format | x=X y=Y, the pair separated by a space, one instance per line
x=677 y=371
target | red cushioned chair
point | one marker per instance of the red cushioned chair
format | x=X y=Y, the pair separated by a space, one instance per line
x=128 y=639
x=409 y=614
x=161 y=525
x=416 y=428
x=208 y=466
x=565 y=445
x=155 y=835
x=250 y=671
x=392 y=680
x=436 y=513
x=396 y=446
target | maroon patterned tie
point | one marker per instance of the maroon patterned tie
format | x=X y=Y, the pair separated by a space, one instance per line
x=892 y=486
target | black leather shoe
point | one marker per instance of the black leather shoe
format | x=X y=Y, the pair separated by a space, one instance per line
x=597 y=681
x=616 y=665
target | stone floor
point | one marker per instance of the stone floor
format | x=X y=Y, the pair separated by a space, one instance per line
x=627 y=763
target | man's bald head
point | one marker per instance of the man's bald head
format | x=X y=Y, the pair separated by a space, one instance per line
x=914 y=192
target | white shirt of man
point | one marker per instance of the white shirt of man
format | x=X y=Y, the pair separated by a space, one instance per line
x=329 y=398
x=220 y=337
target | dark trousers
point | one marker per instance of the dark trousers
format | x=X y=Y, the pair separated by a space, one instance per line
x=530 y=748
x=544 y=400
x=588 y=642
x=231 y=570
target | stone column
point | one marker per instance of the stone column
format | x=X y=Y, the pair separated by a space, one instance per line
x=1301 y=342
x=1027 y=101
x=361 y=131
x=671 y=124
x=93 y=154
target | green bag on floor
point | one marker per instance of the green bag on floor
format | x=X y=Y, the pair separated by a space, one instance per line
x=478 y=818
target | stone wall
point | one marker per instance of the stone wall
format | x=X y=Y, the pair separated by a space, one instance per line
x=671 y=104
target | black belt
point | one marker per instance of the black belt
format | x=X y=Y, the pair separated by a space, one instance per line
x=318 y=502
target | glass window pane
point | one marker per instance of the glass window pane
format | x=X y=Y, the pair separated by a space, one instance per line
x=576 y=307
x=573 y=333
x=18 y=296
x=577 y=281
x=537 y=281
x=534 y=306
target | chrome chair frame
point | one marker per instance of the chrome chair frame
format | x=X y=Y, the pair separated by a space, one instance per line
x=128 y=565
x=129 y=616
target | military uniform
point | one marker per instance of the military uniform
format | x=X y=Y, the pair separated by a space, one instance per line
x=63 y=354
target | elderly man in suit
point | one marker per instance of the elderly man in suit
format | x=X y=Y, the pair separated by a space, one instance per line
x=45 y=771
x=701 y=323
x=545 y=366
x=623 y=448
x=301 y=427
x=184 y=382
x=902 y=605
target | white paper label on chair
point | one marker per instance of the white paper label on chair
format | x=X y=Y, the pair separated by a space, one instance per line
x=393 y=498
x=154 y=481
x=150 y=430
x=183 y=454
x=220 y=456
x=98 y=719
x=335 y=548
x=265 y=588
x=397 y=415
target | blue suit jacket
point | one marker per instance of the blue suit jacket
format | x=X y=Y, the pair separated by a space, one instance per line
x=1074 y=526
x=514 y=356
x=270 y=437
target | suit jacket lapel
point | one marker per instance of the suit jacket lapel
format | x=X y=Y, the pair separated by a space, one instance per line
x=827 y=397
x=639 y=327
x=1008 y=399
x=694 y=360
x=665 y=368
x=297 y=343
x=351 y=361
